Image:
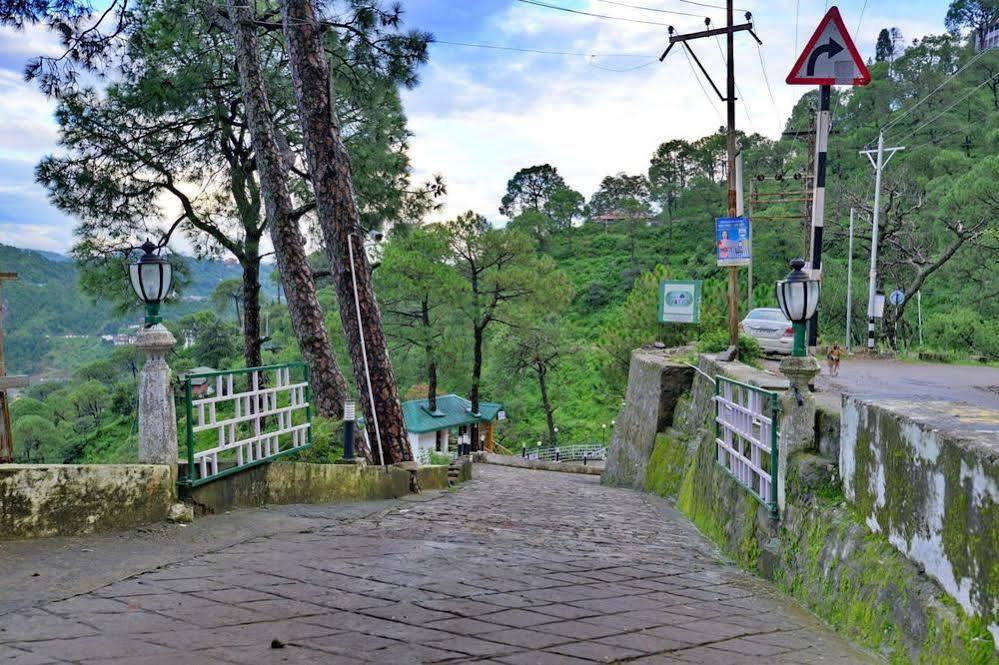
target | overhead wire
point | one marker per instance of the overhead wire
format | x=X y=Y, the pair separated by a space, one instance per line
x=742 y=98
x=591 y=14
x=666 y=11
x=945 y=110
x=543 y=52
x=860 y=20
x=657 y=9
x=701 y=86
x=947 y=80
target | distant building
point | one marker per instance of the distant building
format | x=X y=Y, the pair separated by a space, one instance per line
x=618 y=217
x=123 y=339
x=989 y=39
x=453 y=414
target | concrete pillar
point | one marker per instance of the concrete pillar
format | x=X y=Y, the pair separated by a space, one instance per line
x=157 y=415
x=797 y=424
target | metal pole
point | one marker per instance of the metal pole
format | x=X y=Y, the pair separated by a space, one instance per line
x=873 y=276
x=819 y=200
x=740 y=211
x=733 y=275
x=919 y=311
x=849 y=284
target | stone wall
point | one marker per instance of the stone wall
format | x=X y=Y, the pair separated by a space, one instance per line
x=56 y=500
x=926 y=477
x=655 y=383
x=820 y=550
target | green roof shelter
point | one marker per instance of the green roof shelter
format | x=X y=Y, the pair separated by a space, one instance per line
x=452 y=413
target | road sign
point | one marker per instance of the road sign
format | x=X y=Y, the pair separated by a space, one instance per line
x=680 y=302
x=896 y=298
x=879 y=306
x=733 y=241
x=830 y=57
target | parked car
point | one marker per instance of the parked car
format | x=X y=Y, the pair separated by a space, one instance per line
x=770 y=328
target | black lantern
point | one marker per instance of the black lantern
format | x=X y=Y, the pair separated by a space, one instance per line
x=798 y=297
x=151 y=277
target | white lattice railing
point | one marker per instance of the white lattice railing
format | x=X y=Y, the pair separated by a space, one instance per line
x=254 y=415
x=746 y=420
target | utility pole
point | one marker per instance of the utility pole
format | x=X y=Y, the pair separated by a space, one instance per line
x=819 y=201
x=879 y=164
x=729 y=31
x=6 y=382
x=849 y=284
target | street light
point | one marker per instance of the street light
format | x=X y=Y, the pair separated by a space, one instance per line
x=798 y=297
x=151 y=277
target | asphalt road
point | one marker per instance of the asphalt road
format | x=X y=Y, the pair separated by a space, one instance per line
x=976 y=385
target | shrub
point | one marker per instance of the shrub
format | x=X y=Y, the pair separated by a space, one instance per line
x=717 y=341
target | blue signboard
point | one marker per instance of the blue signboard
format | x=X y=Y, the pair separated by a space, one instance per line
x=734 y=241
x=897 y=298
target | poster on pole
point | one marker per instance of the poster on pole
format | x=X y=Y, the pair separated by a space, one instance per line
x=733 y=241
x=680 y=301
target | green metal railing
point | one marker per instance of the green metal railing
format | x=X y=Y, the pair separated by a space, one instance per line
x=746 y=433
x=255 y=415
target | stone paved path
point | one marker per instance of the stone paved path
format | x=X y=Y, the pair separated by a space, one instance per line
x=515 y=567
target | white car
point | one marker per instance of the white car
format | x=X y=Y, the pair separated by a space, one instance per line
x=770 y=328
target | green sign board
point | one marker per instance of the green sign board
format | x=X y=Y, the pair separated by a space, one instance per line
x=680 y=302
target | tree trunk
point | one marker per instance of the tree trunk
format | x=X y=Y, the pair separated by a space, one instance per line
x=339 y=221
x=547 y=404
x=475 y=396
x=328 y=386
x=251 y=306
x=430 y=357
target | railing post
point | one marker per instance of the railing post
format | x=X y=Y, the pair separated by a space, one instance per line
x=775 y=476
x=189 y=406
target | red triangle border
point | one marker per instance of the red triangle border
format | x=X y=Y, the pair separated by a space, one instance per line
x=832 y=15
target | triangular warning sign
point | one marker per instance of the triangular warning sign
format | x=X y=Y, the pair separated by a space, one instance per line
x=830 y=58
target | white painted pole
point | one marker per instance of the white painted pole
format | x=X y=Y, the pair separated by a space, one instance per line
x=849 y=284
x=919 y=311
x=873 y=274
x=740 y=211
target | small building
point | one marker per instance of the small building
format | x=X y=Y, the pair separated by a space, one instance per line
x=988 y=38
x=200 y=386
x=430 y=431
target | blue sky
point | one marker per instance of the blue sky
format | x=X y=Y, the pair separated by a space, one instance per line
x=479 y=115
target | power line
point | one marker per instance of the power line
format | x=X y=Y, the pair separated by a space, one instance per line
x=861 y=19
x=742 y=98
x=660 y=11
x=542 y=52
x=955 y=103
x=933 y=92
x=701 y=86
x=666 y=11
x=582 y=13
x=626 y=69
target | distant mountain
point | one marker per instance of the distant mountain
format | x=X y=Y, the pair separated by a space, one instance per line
x=45 y=302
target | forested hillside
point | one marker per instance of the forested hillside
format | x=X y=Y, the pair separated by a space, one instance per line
x=52 y=324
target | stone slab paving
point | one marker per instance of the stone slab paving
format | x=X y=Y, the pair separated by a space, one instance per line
x=515 y=567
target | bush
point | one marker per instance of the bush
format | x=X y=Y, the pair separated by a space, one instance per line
x=596 y=295
x=717 y=341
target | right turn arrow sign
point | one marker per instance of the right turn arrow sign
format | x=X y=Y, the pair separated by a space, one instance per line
x=830 y=57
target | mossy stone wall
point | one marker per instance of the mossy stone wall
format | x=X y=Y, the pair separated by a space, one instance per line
x=932 y=488
x=820 y=550
x=70 y=499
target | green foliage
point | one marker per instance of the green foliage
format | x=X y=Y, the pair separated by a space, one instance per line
x=36 y=440
x=717 y=341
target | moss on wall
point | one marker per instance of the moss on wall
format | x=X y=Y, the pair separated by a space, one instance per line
x=821 y=551
x=69 y=499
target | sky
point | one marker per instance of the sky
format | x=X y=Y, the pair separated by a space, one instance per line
x=479 y=115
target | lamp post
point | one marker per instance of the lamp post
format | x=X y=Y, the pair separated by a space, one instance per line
x=798 y=297
x=151 y=277
x=349 y=415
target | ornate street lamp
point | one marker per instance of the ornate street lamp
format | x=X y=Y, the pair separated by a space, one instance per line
x=151 y=277
x=798 y=297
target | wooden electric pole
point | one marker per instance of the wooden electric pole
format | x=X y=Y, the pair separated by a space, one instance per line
x=6 y=383
x=729 y=31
